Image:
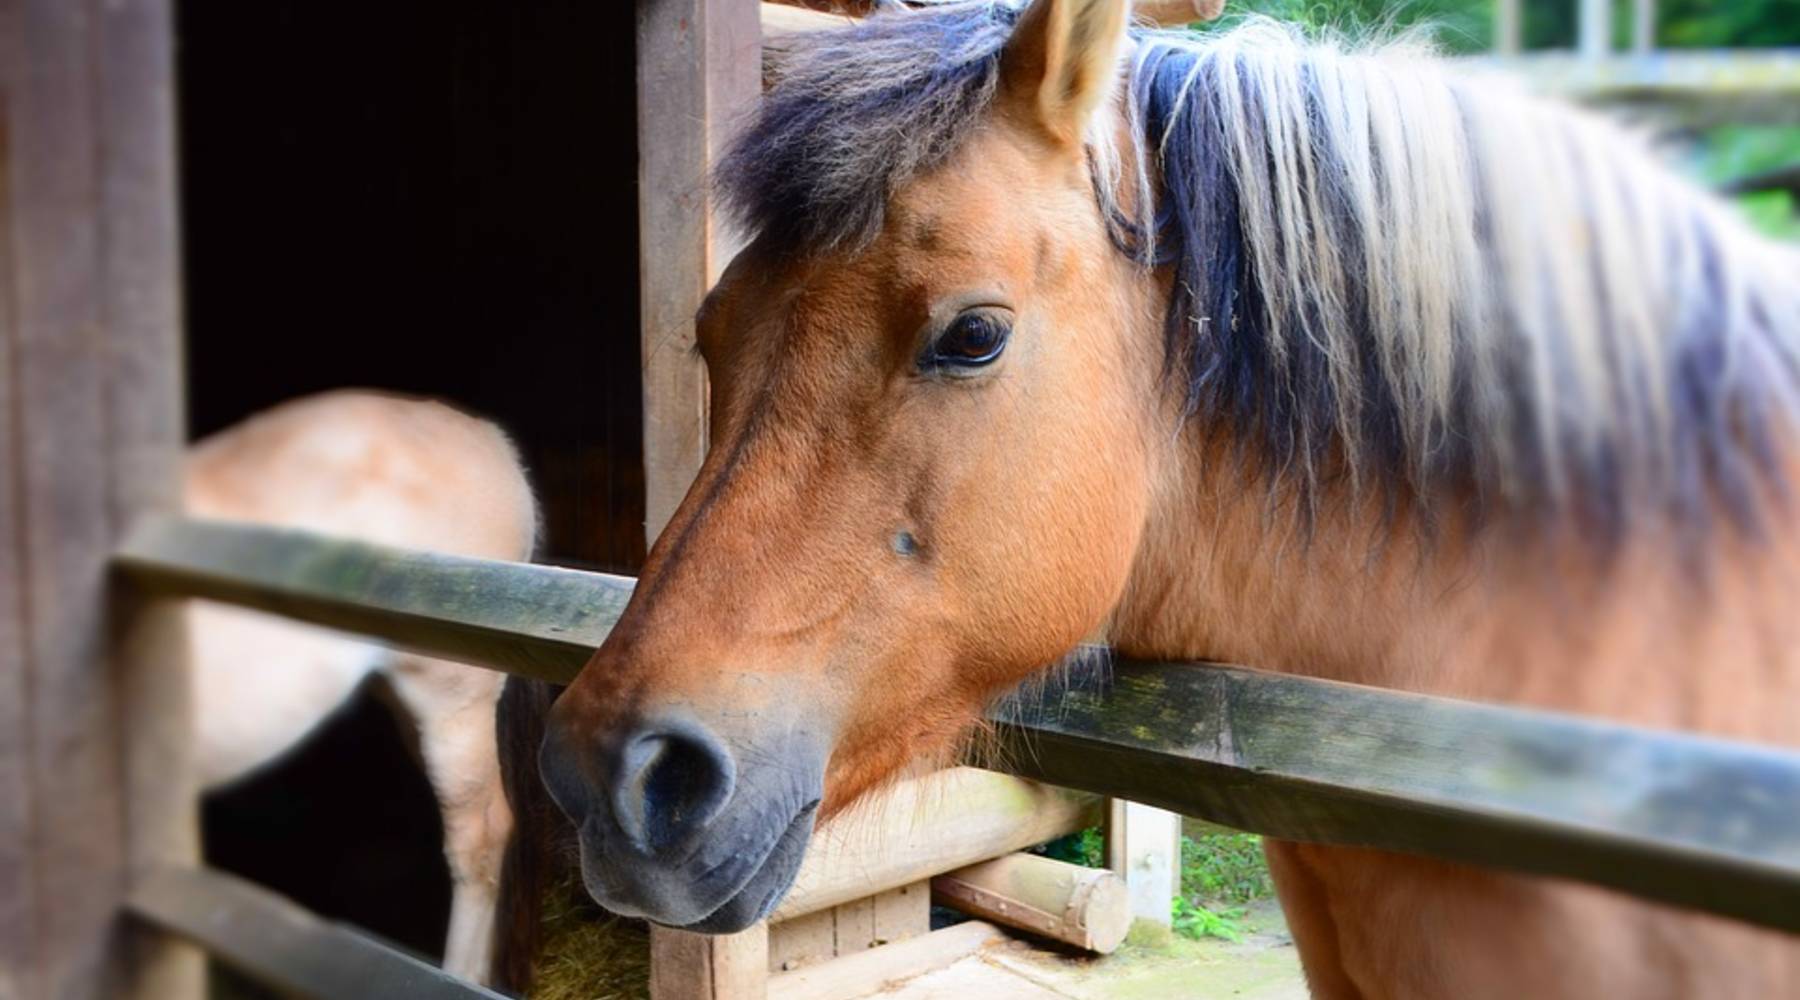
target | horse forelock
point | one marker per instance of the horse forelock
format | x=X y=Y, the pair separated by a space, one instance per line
x=1385 y=274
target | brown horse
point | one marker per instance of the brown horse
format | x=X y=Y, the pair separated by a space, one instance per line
x=1309 y=357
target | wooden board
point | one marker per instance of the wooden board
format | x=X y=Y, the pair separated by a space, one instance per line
x=874 y=970
x=93 y=771
x=1683 y=819
x=1668 y=816
x=282 y=946
x=688 y=966
x=699 y=70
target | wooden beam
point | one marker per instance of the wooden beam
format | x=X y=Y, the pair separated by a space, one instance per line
x=699 y=69
x=1674 y=817
x=928 y=825
x=94 y=724
x=1143 y=845
x=868 y=973
x=1085 y=907
x=1682 y=819
x=689 y=966
x=286 y=948
x=1690 y=87
x=537 y=621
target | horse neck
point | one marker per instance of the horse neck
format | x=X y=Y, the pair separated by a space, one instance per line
x=1224 y=575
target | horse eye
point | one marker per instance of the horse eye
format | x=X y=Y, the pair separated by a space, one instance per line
x=973 y=340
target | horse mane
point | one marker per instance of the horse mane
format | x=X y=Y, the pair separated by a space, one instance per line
x=1386 y=275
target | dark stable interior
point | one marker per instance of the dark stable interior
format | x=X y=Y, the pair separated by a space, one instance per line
x=434 y=198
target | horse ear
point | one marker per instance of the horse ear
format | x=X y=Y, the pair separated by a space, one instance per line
x=1062 y=61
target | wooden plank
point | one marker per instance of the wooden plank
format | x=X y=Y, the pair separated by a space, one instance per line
x=96 y=787
x=927 y=825
x=147 y=435
x=804 y=940
x=1668 y=816
x=284 y=947
x=689 y=966
x=903 y=912
x=1143 y=845
x=699 y=68
x=1690 y=87
x=538 y=621
x=1683 y=819
x=872 y=971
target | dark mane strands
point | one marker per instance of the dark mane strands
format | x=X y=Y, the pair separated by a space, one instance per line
x=1377 y=276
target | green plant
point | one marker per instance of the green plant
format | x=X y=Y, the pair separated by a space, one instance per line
x=1086 y=848
x=1193 y=921
x=1224 y=868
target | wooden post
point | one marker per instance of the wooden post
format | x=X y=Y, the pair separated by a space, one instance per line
x=94 y=781
x=1508 y=27
x=1643 y=26
x=1143 y=844
x=699 y=70
x=1593 y=31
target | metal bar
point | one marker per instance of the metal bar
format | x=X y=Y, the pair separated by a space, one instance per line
x=284 y=947
x=1677 y=818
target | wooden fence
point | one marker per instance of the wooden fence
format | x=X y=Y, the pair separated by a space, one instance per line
x=1675 y=818
x=96 y=798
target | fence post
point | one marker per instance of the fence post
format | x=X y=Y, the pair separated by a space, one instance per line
x=1143 y=844
x=94 y=780
x=1593 y=31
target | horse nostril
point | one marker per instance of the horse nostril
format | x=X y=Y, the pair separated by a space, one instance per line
x=674 y=780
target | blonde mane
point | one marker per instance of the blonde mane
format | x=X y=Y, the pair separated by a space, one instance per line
x=1386 y=275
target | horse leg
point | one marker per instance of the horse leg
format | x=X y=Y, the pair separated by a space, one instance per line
x=1309 y=919
x=453 y=706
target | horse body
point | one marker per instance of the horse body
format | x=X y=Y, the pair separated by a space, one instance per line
x=1243 y=349
x=392 y=471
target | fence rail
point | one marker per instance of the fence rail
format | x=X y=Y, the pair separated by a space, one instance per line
x=1676 y=818
x=283 y=947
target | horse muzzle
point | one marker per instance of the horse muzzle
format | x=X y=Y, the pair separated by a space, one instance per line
x=683 y=826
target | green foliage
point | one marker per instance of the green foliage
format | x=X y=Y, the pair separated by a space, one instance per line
x=1194 y=921
x=1734 y=151
x=1087 y=848
x=1467 y=25
x=1219 y=872
x=1224 y=868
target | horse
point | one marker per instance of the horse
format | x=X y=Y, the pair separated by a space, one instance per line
x=1309 y=354
x=383 y=469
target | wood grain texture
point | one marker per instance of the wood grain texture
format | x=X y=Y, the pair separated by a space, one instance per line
x=284 y=947
x=537 y=621
x=1085 y=907
x=699 y=70
x=870 y=972
x=1668 y=816
x=688 y=966
x=1682 y=819
x=93 y=770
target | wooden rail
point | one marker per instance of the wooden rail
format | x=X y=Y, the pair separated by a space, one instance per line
x=1676 y=818
x=1694 y=86
x=283 y=947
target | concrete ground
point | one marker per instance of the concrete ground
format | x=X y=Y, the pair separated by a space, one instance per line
x=1152 y=965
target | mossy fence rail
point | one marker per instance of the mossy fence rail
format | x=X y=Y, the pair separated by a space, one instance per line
x=1676 y=818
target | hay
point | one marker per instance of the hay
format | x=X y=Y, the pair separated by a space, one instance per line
x=590 y=954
